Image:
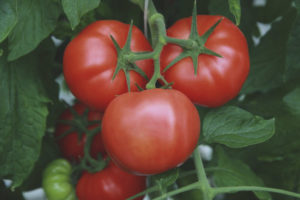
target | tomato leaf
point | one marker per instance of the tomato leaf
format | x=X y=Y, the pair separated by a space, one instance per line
x=76 y=9
x=292 y=100
x=35 y=21
x=166 y=178
x=282 y=150
x=293 y=47
x=23 y=112
x=236 y=127
x=8 y=18
x=233 y=172
x=220 y=7
x=235 y=9
x=267 y=59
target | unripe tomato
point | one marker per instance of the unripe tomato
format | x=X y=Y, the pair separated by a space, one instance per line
x=57 y=181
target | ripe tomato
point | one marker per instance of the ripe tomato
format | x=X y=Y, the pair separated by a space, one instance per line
x=111 y=183
x=90 y=60
x=71 y=146
x=151 y=131
x=218 y=79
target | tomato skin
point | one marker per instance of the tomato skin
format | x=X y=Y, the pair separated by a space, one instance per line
x=111 y=183
x=218 y=80
x=90 y=60
x=151 y=131
x=71 y=146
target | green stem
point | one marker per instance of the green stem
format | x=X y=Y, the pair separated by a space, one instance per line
x=159 y=35
x=200 y=168
x=221 y=190
x=185 y=43
x=140 y=56
x=202 y=178
x=180 y=190
x=156 y=75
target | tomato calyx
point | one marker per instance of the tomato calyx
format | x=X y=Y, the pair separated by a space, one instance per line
x=125 y=61
x=88 y=163
x=78 y=123
x=81 y=124
x=195 y=44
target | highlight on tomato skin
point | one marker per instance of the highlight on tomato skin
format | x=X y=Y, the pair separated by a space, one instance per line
x=71 y=145
x=218 y=79
x=150 y=132
x=112 y=183
x=90 y=60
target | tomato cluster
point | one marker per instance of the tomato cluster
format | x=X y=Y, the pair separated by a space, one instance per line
x=150 y=131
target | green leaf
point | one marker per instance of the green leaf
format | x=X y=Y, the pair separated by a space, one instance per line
x=75 y=9
x=23 y=113
x=233 y=172
x=267 y=60
x=292 y=100
x=49 y=152
x=271 y=10
x=235 y=9
x=236 y=128
x=220 y=7
x=166 y=178
x=8 y=18
x=227 y=9
x=36 y=20
x=293 y=47
x=277 y=161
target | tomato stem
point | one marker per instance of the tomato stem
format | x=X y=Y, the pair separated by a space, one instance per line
x=178 y=191
x=202 y=178
x=222 y=190
x=192 y=47
x=159 y=39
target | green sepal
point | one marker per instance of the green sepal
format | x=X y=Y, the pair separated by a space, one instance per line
x=205 y=36
x=118 y=48
x=181 y=56
x=198 y=45
x=123 y=62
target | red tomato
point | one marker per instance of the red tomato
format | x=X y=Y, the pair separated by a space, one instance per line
x=151 y=131
x=218 y=80
x=70 y=145
x=90 y=60
x=111 y=183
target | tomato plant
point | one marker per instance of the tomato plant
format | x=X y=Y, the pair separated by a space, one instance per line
x=111 y=183
x=217 y=79
x=159 y=130
x=57 y=181
x=111 y=67
x=71 y=141
x=90 y=61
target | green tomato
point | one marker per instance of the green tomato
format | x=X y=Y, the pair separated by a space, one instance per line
x=56 y=181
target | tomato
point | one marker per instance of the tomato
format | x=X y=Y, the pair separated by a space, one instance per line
x=71 y=145
x=90 y=60
x=111 y=183
x=151 y=131
x=57 y=181
x=218 y=79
